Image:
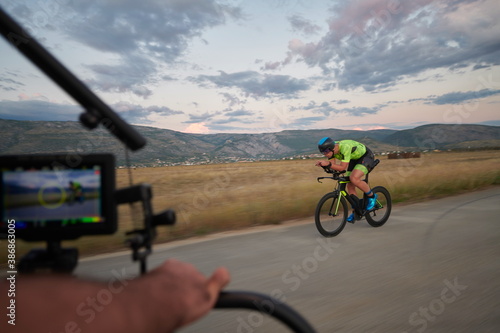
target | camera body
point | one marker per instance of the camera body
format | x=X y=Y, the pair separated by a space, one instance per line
x=53 y=197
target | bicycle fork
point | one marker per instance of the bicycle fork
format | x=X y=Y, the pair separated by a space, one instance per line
x=334 y=210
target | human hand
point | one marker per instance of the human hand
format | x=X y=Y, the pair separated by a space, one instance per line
x=178 y=290
x=321 y=163
x=164 y=299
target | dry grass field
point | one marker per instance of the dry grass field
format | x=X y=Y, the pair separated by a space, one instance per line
x=212 y=198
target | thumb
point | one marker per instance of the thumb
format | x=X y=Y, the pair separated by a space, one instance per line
x=219 y=279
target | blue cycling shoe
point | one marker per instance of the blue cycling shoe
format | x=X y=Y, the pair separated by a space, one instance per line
x=350 y=218
x=371 y=202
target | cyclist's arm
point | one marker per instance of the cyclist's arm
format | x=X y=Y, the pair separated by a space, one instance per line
x=337 y=167
x=165 y=299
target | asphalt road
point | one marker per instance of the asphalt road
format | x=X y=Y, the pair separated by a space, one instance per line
x=433 y=267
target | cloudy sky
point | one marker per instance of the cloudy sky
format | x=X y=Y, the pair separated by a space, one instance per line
x=253 y=66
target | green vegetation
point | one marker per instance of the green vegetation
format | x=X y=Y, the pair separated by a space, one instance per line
x=214 y=198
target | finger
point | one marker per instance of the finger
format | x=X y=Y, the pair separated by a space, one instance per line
x=219 y=279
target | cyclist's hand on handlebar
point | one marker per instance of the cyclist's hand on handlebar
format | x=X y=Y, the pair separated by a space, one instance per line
x=180 y=294
x=322 y=164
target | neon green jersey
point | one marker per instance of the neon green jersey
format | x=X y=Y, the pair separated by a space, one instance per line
x=349 y=150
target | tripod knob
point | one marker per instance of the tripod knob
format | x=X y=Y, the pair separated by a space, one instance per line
x=166 y=217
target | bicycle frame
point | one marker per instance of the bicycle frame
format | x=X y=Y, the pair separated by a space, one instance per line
x=332 y=209
x=340 y=189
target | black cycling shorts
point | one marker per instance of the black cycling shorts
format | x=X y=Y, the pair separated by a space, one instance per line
x=364 y=163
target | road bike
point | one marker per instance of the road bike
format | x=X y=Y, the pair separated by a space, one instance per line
x=332 y=209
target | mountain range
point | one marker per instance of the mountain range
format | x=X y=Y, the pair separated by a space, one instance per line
x=167 y=147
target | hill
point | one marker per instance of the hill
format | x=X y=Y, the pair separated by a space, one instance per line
x=171 y=147
x=441 y=136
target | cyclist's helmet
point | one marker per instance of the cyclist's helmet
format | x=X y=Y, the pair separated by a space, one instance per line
x=326 y=144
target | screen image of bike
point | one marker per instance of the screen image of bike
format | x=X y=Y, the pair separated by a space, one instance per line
x=48 y=197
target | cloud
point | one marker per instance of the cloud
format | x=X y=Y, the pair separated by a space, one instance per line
x=142 y=34
x=306 y=122
x=324 y=108
x=303 y=25
x=138 y=114
x=271 y=65
x=232 y=100
x=36 y=109
x=373 y=44
x=241 y=116
x=161 y=29
x=242 y=121
x=144 y=47
x=131 y=75
x=9 y=83
x=327 y=109
x=239 y=113
x=217 y=120
x=34 y=97
x=342 y=101
x=257 y=85
x=39 y=108
x=197 y=128
x=360 y=111
x=460 y=97
x=200 y=118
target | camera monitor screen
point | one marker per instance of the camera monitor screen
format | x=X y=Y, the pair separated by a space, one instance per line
x=45 y=198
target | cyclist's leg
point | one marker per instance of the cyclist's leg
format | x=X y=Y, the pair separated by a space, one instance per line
x=356 y=177
x=350 y=187
x=351 y=190
x=360 y=170
x=367 y=163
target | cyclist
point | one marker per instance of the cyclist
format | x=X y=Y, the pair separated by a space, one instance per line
x=76 y=191
x=354 y=157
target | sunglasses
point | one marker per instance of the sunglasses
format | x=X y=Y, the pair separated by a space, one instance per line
x=326 y=151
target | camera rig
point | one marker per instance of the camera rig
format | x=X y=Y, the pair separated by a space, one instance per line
x=141 y=240
x=64 y=260
x=97 y=112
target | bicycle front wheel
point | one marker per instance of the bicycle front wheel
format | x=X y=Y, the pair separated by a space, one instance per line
x=331 y=214
x=380 y=214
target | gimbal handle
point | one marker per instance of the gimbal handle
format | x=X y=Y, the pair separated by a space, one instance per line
x=266 y=305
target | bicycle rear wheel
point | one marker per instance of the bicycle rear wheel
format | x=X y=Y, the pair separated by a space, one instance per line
x=380 y=214
x=331 y=214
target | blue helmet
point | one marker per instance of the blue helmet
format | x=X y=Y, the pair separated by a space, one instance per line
x=326 y=143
